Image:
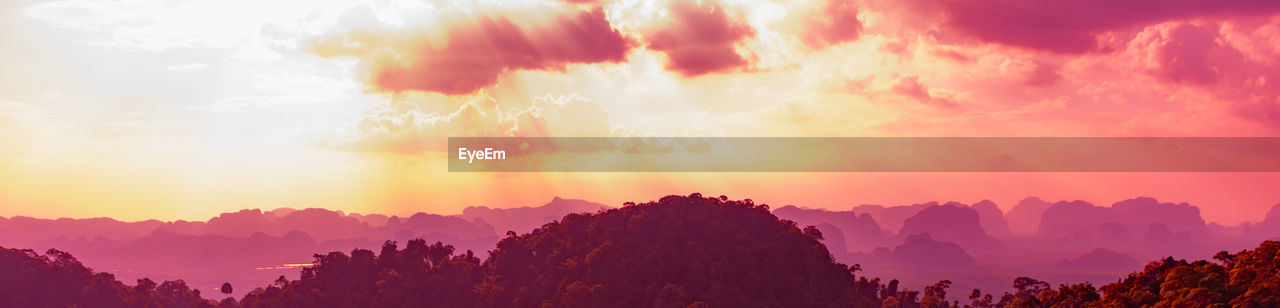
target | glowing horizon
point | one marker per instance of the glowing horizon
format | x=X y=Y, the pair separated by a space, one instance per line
x=182 y=110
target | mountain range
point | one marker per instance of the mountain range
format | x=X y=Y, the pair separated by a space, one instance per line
x=1063 y=241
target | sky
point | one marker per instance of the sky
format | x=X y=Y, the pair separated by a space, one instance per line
x=185 y=109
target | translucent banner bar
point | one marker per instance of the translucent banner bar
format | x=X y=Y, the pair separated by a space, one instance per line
x=864 y=154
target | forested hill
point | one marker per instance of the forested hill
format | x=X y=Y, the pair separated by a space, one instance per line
x=679 y=251
x=57 y=279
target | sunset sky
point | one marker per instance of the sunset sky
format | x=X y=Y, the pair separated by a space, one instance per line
x=185 y=109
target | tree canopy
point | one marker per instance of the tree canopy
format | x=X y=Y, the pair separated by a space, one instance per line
x=676 y=252
x=57 y=279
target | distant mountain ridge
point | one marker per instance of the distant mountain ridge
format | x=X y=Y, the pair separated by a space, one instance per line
x=231 y=246
x=990 y=243
x=322 y=224
x=523 y=219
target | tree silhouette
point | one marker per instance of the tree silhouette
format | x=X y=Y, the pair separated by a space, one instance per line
x=226 y=288
x=57 y=279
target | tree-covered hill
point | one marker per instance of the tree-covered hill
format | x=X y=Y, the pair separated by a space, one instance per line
x=1249 y=278
x=676 y=252
x=56 y=279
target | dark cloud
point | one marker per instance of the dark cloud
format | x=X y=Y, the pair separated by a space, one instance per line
x=1070 y=26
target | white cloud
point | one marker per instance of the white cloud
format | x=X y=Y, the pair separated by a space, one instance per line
x=158 y=25
x=406 y=129
x=189 y=66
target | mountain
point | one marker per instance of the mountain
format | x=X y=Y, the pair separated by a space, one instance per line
x=860 y=232
x=1178 y=217
x=891 y=218
x=1269 y=227
x=523 y=219
x=1069 y=218
x=1124 y=219
x=20 y=231
x=1024 y=218
x=920 y=251
x=242 y=224
x=992 y=219
x=439 y=225
x=952 y=222
x=834 y=239
x=322 y=224
x=1102 y=259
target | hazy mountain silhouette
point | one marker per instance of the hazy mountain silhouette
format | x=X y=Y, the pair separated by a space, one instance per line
x=423 y=223
x=952 y=222
x=1024 y=218
x=1066 y=218
x=860 y=232
x=375 y=220
x=921 y=251
x=1178 y=217
x=834 y=239
x=891 y=218
x=1102 y=259
x=1124 y=219
x=1268 y=228
x=523 y=219
x=992 y=219
x=324 y=224
x=242 y=223
x=22 y=231
x=329 y=225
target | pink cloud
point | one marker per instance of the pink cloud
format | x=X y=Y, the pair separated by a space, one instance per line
x=1070 y=26
x=1182 y=53
x=477 y=54
x=1042 y=75
x=910 y=86
x=1201 y=56
x=837 y=24
x=701 y=39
